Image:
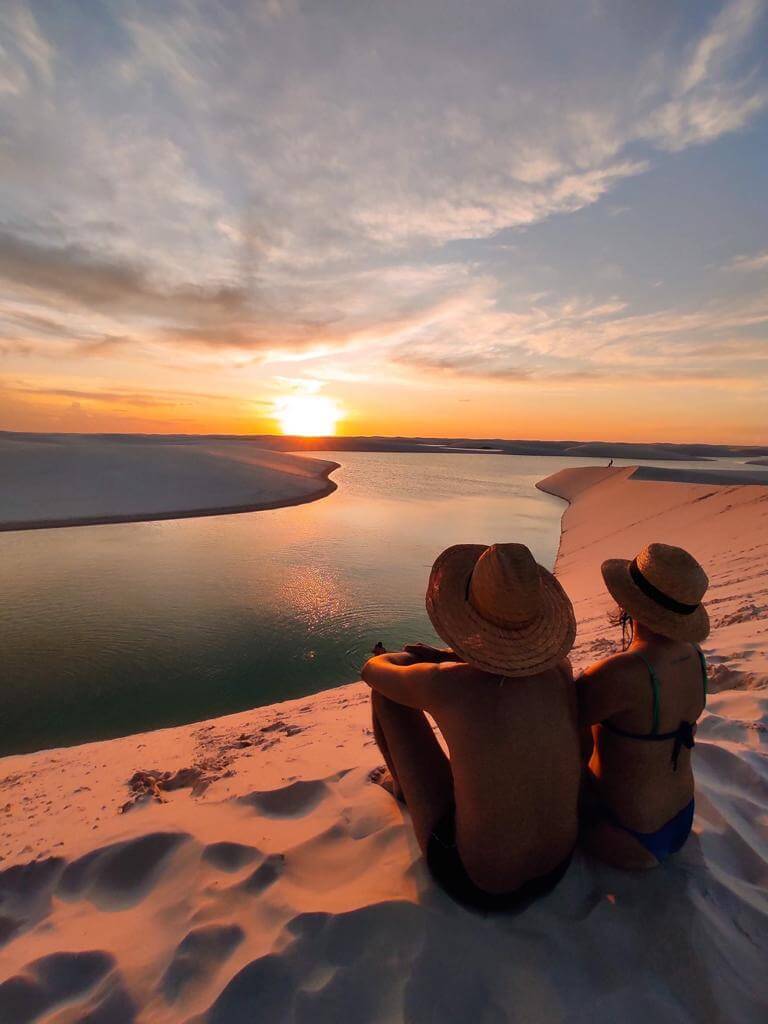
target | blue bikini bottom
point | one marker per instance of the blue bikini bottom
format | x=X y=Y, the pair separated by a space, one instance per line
x=665 y=840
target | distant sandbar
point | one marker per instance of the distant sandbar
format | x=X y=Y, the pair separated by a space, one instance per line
x=85 y=481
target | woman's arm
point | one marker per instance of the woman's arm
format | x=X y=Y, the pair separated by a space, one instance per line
x=601 y=692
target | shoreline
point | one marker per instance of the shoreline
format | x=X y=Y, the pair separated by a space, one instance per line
x=242 y=453
x=54 y=484
x=329 y=486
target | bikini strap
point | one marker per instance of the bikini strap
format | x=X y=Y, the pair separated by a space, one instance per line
x=703 y=661
x=654 y=680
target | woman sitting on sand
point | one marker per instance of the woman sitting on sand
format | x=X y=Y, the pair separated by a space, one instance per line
x=643 y=705
x=497 y=822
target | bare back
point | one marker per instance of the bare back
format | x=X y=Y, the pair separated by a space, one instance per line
x=515 y=761
x=636 y=776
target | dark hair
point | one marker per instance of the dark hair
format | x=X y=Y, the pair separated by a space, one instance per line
x=621 y=617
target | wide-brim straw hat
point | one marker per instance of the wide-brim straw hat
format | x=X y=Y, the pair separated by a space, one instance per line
x=499 y=610
x=663 y=589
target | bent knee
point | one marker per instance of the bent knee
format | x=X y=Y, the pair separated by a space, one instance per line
x=379 y=700
x=385 y=707
x=382 y=706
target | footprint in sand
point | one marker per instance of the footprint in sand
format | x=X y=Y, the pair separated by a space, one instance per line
x=230 y=899
x=122 y=874
x=292 y=801
x=382 y=942
x=54 y=979
x=110 y=1004
x=263 y=990
x=264 y=875
x=200 y=953
x=229 y=856
x=25 y=894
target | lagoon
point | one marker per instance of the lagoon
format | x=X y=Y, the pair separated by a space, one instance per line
x=114 y=629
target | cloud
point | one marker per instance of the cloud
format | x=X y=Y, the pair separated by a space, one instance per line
x=708 y=99
x=73 y=274
x=208 y=141
x=26 y=54
x=100 y=304
x=756 y=261
x=122 y=396
x=728 y=31
x=218 y=186
x=578 y=340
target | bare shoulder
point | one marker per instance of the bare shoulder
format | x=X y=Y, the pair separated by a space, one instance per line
x=452 y=674
x=607 y=688
x=453 y=680
x=619 y=665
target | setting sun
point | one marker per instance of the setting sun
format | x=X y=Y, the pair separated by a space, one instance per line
x=307 y=415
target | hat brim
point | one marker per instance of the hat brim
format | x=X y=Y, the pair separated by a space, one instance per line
x=527 y=650
x=692 y=628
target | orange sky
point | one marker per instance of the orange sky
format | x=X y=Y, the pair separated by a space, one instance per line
x=444 y=408
x=489 y=224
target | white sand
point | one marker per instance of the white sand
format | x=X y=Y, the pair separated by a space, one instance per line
x=291 y=890
x=76 y=480
x=617 y=511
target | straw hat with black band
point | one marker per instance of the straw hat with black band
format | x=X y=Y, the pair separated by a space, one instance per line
x=663 y=589
x=499 y=610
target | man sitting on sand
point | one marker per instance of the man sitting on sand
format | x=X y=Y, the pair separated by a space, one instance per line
x=497 y=822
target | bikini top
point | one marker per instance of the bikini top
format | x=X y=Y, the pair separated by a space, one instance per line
x=683 y=734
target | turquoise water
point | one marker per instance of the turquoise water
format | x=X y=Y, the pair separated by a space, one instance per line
x=109 y=630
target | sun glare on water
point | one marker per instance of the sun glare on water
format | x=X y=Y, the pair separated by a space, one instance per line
x=307 y=415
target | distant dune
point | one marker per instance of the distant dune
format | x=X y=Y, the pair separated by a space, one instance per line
x=757 y=462
x=607 y=450
x=667 y=451
x=80 y=480
x=578 y=449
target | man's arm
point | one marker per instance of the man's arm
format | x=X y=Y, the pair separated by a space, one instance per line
x=404 y=680
x=426 y=652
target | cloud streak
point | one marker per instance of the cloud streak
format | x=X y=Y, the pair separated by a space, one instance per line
x=757 y=261
x=225 y=186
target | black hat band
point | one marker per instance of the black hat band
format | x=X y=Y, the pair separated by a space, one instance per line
x=658 y=595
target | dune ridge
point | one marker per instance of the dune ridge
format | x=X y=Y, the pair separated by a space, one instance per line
x=245 y=868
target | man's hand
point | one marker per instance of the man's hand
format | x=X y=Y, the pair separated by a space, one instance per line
x=426 y=653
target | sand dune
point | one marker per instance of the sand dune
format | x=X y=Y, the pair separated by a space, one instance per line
x=614 y=512
x=654 y=451
x=77 y=481
x=609 y=450
x=245 y=869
